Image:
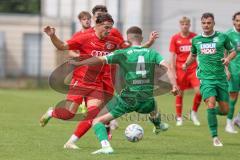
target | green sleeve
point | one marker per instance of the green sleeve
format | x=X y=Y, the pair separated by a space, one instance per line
x=193 y=48
x=114 y=57
x=228 y=44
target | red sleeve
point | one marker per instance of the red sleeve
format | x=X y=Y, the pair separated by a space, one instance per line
x=116 y=33
x=75 y=43
x=172 y=47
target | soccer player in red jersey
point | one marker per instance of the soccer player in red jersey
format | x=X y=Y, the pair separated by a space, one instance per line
x=84 y=18
x=180 y=46
x=87 y=81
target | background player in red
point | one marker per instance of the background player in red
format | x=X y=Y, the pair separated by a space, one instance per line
x=84 y=18
x=180 y=46
x=87 y=81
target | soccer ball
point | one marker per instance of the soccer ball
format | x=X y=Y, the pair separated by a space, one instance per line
x=134 y=132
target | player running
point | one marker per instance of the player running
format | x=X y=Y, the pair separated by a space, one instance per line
x=87 y=81
x=209 y=49
x=180 y=47
x=234 y=68
x=138 y=65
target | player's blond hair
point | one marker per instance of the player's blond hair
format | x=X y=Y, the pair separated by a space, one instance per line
x=184 y=19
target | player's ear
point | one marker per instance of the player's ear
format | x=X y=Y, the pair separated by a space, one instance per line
x=141 y=38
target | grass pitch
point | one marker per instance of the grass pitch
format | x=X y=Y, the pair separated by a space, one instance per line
x=21 y=137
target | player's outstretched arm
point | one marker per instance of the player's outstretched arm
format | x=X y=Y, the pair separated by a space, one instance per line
x=191 y=58
x=153 y=36
x=50 y=31
x=175 y=89
x=90 y=62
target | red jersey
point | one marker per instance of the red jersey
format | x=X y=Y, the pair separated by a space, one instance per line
x=181 y=46
x=90 y=45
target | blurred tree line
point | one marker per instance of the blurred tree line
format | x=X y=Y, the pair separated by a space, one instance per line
x=20 y=6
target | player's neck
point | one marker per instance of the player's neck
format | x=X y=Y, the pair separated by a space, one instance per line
x=136 y=44
x=184 y=34
x=208 y=34
x=237 y=30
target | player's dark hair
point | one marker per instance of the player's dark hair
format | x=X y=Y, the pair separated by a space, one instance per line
x=134 y=30
x=207 y=15
x=84 y=14
x=235 y=15
x=104 y=17
x=100 y=8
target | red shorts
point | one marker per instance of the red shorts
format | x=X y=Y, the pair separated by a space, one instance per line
x=187 y=80
x=79 y=90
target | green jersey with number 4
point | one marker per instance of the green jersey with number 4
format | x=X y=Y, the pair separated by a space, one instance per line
x=137 y=65
x=234 y=36
x=210 y=50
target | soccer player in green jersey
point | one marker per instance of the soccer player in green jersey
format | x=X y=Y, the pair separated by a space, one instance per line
x=209 y=49
x=138 y=65
x=234 y=69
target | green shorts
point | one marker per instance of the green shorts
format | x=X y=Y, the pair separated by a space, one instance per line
x=120 y=105
x=234 y=83
x=214 y=88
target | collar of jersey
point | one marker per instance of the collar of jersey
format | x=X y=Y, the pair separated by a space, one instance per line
x=236 y=30
x=136 y=46
x=209 y=35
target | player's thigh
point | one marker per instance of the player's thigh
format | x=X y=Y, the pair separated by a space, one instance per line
x=120 y=107
x=194 y=82
x=145 y=107
x=207 y=89
x=234 y=83
x=222 y=91
x=182 y=80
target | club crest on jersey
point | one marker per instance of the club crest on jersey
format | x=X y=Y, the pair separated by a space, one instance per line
x=208 y=48
x=110 y=46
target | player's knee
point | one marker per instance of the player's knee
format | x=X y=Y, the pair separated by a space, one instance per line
x=225 y=110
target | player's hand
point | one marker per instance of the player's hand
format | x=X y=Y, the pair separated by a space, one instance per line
x=175 y=90
x=225 y=61
x=153 y=36
x=50 y=31
x=184 y=67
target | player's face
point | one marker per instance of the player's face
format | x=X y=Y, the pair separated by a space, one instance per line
x=184 y=27
x=236 y=23
x=85 y=22
x=207 y=25
x=104 y=28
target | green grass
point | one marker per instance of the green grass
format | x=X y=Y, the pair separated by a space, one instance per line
x=21 y=137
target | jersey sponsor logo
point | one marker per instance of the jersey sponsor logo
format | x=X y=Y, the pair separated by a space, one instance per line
x=96 y=53
x=185 y=48
x=208 y=48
